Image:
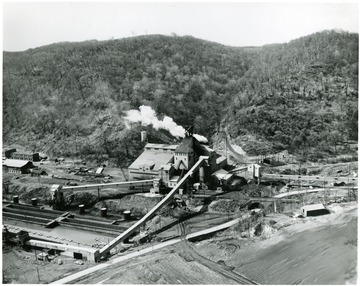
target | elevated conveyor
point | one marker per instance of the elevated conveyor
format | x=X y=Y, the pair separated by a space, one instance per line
x=106 y=249
x=346 y=180
x=142 y=183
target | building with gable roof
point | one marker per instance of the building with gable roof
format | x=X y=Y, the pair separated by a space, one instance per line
x=168 y=163
x=17 y=166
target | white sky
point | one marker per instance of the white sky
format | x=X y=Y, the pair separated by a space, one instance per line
x=29 y=25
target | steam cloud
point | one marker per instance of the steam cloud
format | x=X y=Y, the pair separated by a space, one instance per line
x=147 y=116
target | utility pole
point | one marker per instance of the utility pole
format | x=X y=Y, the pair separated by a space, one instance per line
x=37 y=270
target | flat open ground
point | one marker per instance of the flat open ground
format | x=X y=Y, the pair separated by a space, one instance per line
x=314 y=250
x=302 y=251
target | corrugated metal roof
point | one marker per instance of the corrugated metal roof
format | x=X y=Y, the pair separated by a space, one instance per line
x=15 y=163
x=158 y=158
x=313 y=207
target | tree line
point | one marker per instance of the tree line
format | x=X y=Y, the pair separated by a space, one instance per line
x=70 y=98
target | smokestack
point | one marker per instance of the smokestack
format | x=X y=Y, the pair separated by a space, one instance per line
x=143 y=136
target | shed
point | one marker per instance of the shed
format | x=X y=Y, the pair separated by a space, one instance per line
x=38 y=172
x=314 y=210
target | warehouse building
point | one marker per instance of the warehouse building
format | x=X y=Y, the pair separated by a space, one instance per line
x=17 y=166
x=148 y=164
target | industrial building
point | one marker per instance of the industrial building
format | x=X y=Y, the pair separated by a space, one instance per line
x=167 y=164
x=17 y=166
x=20 y=155
x=314 y=210
x=248 y=171
x=147 y=165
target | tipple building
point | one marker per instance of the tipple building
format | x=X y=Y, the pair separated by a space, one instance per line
x=168 y=163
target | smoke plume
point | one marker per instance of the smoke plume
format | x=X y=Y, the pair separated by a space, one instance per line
x=147 y=116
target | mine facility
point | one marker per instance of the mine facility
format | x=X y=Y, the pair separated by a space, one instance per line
x=172 y=174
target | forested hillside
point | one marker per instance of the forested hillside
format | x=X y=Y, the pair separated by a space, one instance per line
x=70 y=98
x=302 y=95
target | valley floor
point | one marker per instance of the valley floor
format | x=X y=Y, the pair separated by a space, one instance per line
x=317 y=250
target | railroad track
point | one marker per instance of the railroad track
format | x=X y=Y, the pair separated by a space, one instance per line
x=33 y=215
x=214 y=266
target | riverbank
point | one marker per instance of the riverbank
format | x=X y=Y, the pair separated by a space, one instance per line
x=314 y=250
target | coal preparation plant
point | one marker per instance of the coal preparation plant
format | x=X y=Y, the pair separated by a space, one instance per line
x=166 y=164
x=163 y=169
